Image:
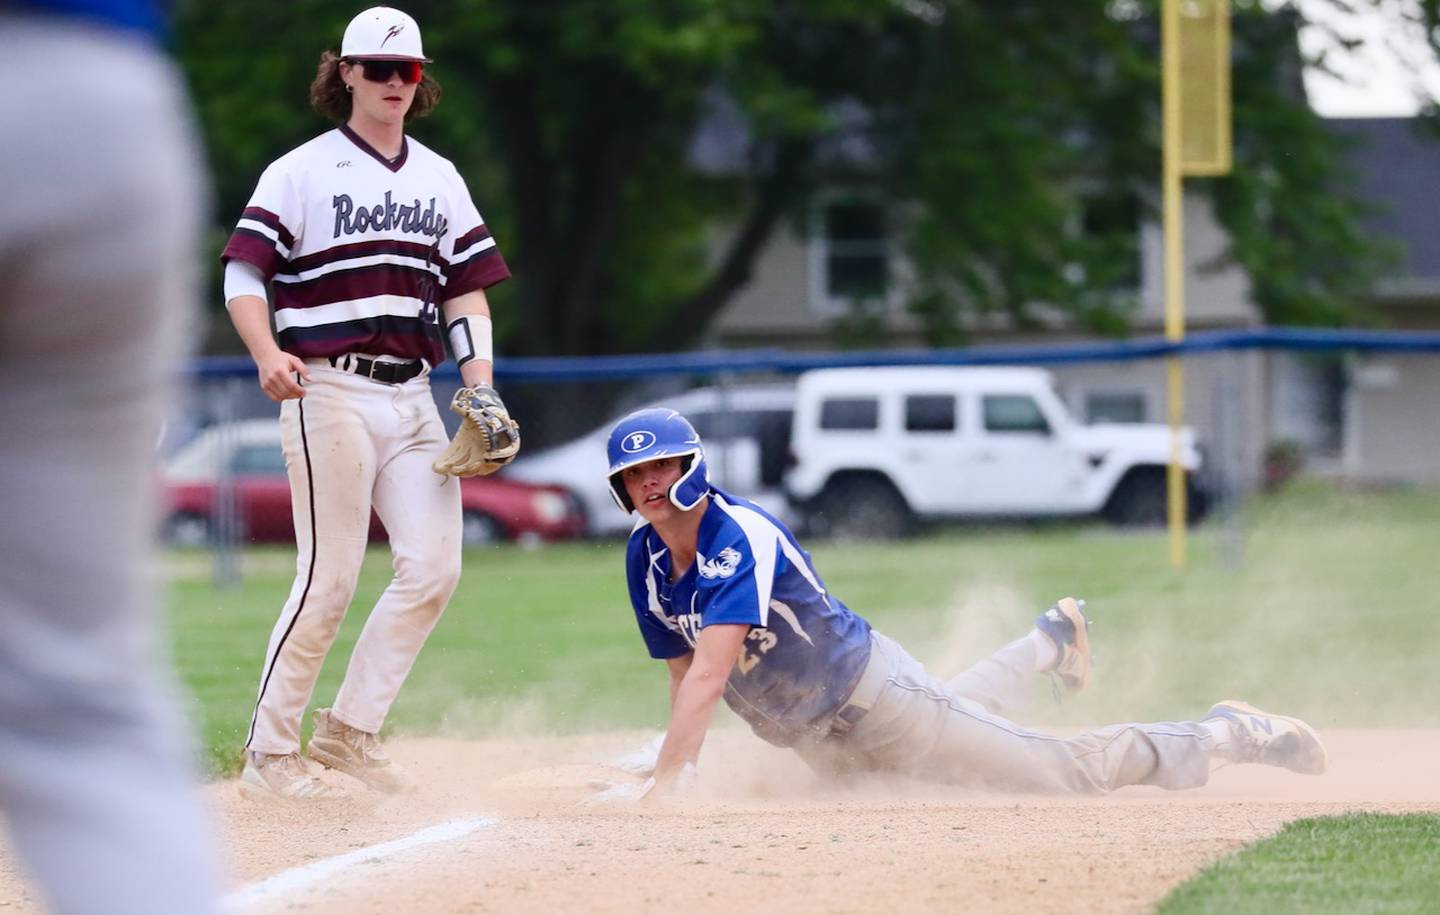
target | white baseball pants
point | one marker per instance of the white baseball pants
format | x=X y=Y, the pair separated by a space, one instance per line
x=101 y=187
x=923 y=727
x=352 y=444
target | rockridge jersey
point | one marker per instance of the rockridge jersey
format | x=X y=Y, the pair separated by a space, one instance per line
x=806 y=650
x=360 y=250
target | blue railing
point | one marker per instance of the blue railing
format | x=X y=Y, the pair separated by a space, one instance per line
x=753 y=361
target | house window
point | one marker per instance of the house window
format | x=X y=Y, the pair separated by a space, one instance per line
x=1308 y=402
x=1115 y=407
x=930 y=413
x=850 y=414
x=850 y=254
x=1014 y=413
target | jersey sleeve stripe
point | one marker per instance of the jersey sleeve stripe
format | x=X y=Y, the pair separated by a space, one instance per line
x=478 y=236
x=480 y=272
x=251 y=227
x=476 y=250
x=270 y=221
x=764 y=539
x=253 y=248
x=800 y=563
x=653 y=593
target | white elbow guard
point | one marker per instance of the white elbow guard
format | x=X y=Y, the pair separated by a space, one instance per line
x=242 y=278
x=471 y=337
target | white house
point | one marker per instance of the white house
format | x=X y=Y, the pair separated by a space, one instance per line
x=1366 y=418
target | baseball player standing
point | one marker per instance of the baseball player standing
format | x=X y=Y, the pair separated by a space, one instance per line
x=102 y=185
x=723 y=592
x=365 y=236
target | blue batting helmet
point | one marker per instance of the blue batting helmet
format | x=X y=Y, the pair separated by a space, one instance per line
x=648 y=435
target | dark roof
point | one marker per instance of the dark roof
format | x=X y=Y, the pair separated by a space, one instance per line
x=1397 y=164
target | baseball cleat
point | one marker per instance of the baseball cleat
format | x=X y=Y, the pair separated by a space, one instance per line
x=282 y=775
x=1275 y=740
x=1069 y=628
x=357 y=753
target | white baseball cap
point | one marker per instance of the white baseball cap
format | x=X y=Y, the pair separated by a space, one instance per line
x=382 y=33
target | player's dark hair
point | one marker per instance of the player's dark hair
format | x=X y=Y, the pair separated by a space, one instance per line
x=329 y=98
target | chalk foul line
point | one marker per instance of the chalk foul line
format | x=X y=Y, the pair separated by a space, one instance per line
x=297 y=878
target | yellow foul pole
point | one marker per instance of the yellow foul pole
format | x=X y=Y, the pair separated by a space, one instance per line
x=1195 y=64
x=1173 y=220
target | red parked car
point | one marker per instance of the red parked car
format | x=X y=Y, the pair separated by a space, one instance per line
x=495 y=508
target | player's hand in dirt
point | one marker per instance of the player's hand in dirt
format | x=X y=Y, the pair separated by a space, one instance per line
x=646 y=792
x=623 y=793
x=641 y=762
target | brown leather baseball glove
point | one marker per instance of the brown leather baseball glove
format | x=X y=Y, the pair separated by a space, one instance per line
x=487 y=440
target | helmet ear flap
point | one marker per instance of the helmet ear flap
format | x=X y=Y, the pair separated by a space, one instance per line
x=694 y=483
x=618 y=493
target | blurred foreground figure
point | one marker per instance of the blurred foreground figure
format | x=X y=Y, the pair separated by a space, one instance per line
x=101 y=187
x=725 y=595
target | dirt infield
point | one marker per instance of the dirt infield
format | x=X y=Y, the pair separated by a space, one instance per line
x=762 y=836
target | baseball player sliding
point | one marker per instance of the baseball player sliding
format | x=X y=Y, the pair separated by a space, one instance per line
x=364 y=236
x=726 y=596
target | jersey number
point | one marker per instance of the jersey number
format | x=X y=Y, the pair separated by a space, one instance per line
x=763 y=640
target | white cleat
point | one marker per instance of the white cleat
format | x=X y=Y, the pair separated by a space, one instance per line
x=1275 y=740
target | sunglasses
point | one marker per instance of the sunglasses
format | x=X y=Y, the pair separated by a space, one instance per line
x=380 y=71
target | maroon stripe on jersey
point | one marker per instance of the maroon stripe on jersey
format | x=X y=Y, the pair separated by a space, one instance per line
x=394 y=165
x=364 y=249
x=473 y=237
x=253 y=248
x=386 y=335
x=360 y=283
x=268 y=218
x=480 y=272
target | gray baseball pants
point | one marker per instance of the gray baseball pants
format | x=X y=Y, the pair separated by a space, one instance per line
x=923 y=727
x=101 y=188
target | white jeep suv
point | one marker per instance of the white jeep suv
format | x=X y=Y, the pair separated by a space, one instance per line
x=876 y=449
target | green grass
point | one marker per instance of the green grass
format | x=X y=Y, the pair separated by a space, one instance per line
x=1327 y=617
x=1360 y=864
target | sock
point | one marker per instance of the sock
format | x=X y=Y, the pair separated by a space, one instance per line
x=1046 y=654
x=1219 y=730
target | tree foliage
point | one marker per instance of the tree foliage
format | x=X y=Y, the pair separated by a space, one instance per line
x=1001 y=124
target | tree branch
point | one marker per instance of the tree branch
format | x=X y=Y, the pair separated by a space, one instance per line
x=786 y=183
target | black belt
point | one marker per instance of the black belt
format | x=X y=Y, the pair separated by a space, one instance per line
x=375 y=370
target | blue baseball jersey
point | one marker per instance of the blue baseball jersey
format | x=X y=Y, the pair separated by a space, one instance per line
x=805 y=650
